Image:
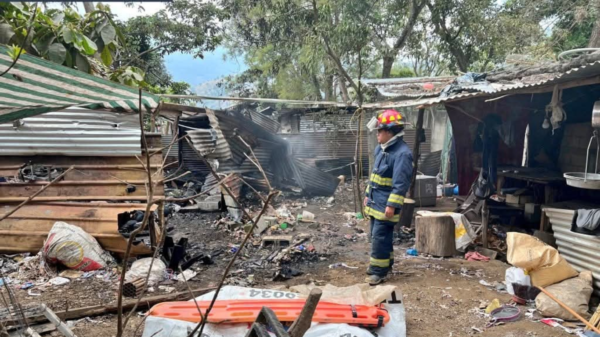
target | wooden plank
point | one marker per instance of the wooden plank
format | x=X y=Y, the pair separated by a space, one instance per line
x=26 y=229
x=76 y=189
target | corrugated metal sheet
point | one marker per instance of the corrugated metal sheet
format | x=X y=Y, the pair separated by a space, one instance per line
x=265 y=121
x=580 y=250
x=340 y=144
x=409 y=87
x=165 y=142
x=585 y=71
x=35 y=86
x=314 y=181
x=207 y=143
x=73 y=132
x=330 y=122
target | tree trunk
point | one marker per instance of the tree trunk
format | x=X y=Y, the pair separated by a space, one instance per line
x=388 y=63
x=435 y=235
x=316 y=87
x=88 y=6
x=595 y=38
x=343 y=89
x=329 y=91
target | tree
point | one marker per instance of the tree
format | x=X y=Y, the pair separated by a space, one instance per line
x=480 y=32
x=87 y=43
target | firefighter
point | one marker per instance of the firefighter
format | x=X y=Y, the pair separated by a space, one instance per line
x=386 y=190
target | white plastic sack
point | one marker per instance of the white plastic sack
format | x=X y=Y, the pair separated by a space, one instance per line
x=463 y=233
x=164 y=327
x=516 y=275
x=139 y=269
x=75 y=248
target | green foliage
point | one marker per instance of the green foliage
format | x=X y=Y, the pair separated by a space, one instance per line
x=14 y=51
x=402 y=71
x=61 y=35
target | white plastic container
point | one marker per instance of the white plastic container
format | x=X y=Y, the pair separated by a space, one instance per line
x=516 y=275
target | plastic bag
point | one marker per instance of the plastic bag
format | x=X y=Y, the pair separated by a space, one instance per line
x=575 y=293
x=543 y=262
x=75 y=248
x=516 y=275
x=139 y=269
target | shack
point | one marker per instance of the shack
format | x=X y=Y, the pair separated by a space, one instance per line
x=63 y=118
x=529 y=132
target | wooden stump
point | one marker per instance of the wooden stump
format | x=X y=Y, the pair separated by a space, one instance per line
x=435 y=236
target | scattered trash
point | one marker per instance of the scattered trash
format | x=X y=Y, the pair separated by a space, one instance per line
x=359 y=216
x=506 y=313
x=484 y=283
x=57 y=281
x=331 y=200
x=139 y=269
x=167 y=289
x=495 y=304
x=515 y=275
x=306 y=216
x=284 y=225
x=31 y=293
x=74 y=248
x=286 y=273
x=412 y=252
x=71 y=274
x=27 y=285
x=341 y=264
x=186 y=275
x=475 y=256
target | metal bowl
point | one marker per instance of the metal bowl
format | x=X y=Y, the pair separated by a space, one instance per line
x=578 y=179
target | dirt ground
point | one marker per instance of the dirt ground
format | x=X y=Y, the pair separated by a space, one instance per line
x=442 y=296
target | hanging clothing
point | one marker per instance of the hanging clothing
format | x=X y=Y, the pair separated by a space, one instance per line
x=387 y=187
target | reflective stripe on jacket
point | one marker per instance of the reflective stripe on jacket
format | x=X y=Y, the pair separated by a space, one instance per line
x=389 y=180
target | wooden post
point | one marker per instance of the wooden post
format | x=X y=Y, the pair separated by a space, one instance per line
x=416 y=151
x=358 y=163
x=302 y=323
x=435 y=235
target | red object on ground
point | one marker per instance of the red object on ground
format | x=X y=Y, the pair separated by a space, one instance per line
x=475 y=256
x=286 y=310
x=428 y=86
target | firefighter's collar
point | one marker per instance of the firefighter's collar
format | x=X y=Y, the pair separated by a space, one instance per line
x=392 y=140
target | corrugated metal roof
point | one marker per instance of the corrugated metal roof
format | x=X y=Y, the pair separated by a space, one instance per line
x=35 y=86
x=73 y=132
x=586 y=71
x=206 y=141
x=580 y=250
x=408 y=87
